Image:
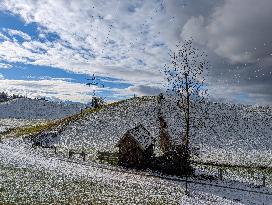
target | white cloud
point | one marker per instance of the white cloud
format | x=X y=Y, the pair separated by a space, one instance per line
x=194 y=28
x=5 y=66
x=144 y=90
x=52 y=88
x=237 y=35
x=239 y=30
x=13 y=33
x=3 y=37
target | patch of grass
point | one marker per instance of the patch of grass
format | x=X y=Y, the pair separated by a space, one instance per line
x=26 y=130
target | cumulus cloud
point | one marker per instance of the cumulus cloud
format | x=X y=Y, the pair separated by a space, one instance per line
x=239 y=30
x=239 y=33
x=59 y=89
x=144 y=90
x=243 y=29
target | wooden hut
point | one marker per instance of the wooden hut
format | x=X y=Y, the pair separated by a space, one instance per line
x=135 y=147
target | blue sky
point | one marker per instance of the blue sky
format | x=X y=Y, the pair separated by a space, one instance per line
x=29 y=72
x=50 y=48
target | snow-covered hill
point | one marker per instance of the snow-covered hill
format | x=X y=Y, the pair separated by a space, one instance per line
x=234 y=133
x=36 y=175
x=25 y=108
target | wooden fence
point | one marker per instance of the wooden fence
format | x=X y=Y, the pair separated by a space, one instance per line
x=221 y=166
x=112 y=158
x=82 y=154
x=109 y=157
x=35 y=145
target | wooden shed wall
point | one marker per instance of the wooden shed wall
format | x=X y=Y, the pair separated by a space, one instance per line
x=130 y=153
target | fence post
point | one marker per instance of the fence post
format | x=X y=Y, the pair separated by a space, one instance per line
x=220 y=173
x=70 y=154
x=99 y=156
x=264 y=180
x=186 y=185
x=83 y=154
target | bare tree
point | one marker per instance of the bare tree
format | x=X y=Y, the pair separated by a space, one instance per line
x=186 y=76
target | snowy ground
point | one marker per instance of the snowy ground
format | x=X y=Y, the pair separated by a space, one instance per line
x=26 y=108
x=29 y=176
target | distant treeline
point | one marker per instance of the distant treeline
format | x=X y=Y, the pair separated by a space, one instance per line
x=4 y=97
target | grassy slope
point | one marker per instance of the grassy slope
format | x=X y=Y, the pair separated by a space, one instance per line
x=40 y=127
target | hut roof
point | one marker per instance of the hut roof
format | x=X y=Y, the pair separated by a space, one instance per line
x=141 y=135
x=48 y=134
x=49 y=137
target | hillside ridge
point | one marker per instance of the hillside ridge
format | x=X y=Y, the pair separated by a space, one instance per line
x=26 y=108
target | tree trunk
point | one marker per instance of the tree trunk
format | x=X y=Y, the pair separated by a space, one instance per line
x=187 y=120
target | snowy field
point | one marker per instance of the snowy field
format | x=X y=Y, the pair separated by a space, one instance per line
x=35 y=176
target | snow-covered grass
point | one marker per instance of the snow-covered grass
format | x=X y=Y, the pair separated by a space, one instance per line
x=11 y=129
x=235 y=134
x=26 y=108
x=29 y=176
x=23 y=127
